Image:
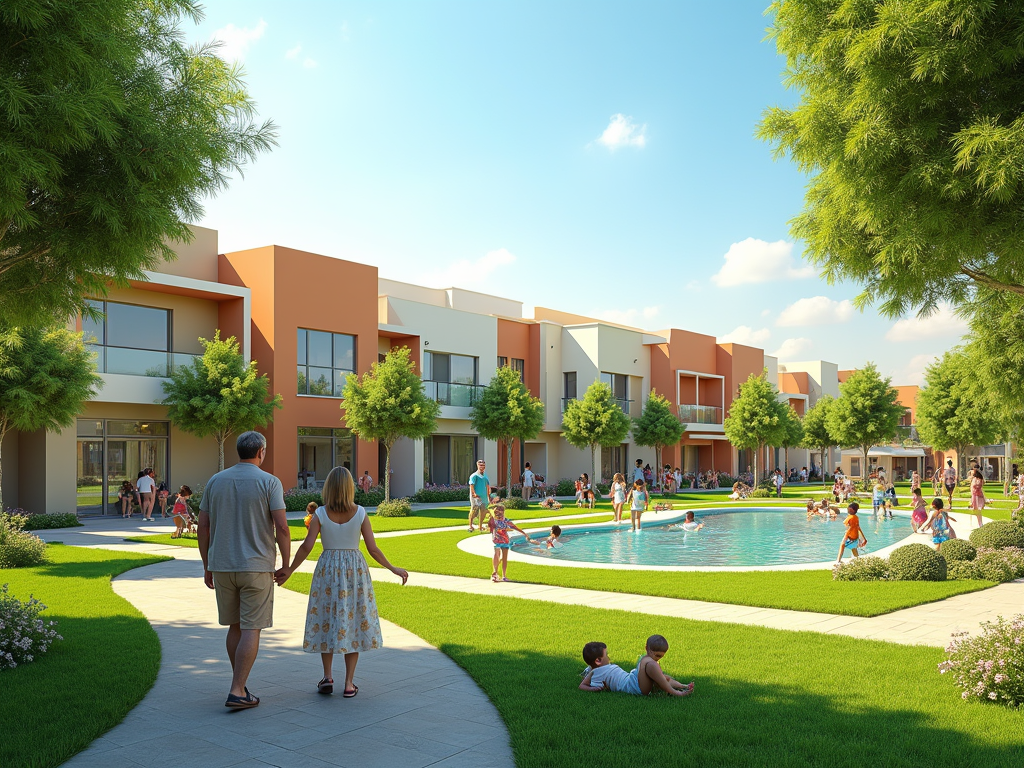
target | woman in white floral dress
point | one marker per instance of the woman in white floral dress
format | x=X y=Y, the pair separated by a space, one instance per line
x=342 y=615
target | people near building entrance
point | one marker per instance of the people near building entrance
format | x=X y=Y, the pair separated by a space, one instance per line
x=586 y=495
x=949 y=479
x=162 y=494
x=365 y=481
x=341 y=615
x=677 y=477
x=638 y=470
x=648 y=475
x=180 y=513
x=529 y=479
x=146 y=485
x=241 y=517
x=479 y=493
x=803 y=474
x=779 y=480
x=617 y=492
x=978 y=500
x=668 y=481
x=126 y=498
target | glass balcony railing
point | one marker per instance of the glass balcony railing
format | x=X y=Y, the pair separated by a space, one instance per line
x=138 y=362
x=624 y=404
x=448 y=393
x=700 y=414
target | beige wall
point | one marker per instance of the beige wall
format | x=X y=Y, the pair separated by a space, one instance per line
x=197 y=259
x=190 y=317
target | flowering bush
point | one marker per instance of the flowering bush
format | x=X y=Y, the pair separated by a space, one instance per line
x=516 y=502
x=18 y=547
x=296 y=499
x=998 y=534
x=989 y=666
x=861 y=569
x=394 y=508
x=432 y=494
x=23 y=635
x=39 y=521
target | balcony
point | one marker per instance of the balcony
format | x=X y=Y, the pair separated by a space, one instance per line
x=907 y=434
x=138 y=362
x=448 y=393
x=700 y=414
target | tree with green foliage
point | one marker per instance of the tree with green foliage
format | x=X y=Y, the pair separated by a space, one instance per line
x=507 y=412
x=815 y=426
x=996 y=349
x=911 y=127
x=657 y=428
x=954 y=409
x=793 y=434
x=45 y=377
x=595 y=421
x=112 y=131
x=388 y=403
x=866 y=414
x=756 y=418
x=219 y=394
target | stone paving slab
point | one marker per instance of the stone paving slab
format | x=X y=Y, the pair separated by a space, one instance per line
x=394 y=721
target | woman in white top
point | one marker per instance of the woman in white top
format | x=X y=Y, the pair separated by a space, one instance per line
x=342 y=614
x=146 y=485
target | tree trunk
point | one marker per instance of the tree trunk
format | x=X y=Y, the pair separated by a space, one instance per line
x=867 y=482
x=387 y=472
x=3 y=431
x=220 y=452
x=660 y=478
x=593 y=468
x=822 y=467
x=757 y=463
x=508 y=469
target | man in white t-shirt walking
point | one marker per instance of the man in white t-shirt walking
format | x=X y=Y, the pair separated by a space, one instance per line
x=528 y=481
x=146 y=486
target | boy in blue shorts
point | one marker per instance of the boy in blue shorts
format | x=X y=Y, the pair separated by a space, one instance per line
x=602 y=675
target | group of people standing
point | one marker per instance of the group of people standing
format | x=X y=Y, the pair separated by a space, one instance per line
x=242 y=525
x=144 y=493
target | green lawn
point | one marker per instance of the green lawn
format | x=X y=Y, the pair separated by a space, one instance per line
x=795 y=590
x=86 y=683
x=763 y=697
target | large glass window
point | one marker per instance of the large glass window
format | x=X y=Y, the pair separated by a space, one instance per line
x=325 y=361
x=449 y=459
x=451 y=379
x=114 y=450
x=619 y=384
x=321 y=449
x=519 y=366
x=130 y=339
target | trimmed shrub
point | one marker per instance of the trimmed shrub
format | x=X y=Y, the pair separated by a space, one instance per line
x=958 y=549
x=868 y=568
x=989 y=666
x=960 y=570
x=515 y=502
x=565 y=487
x=725 y=481
x=762 y=493
x=296 y=500
x=433 y=494
x=197 y=498
x=394 y=508
x=916 y=562
x=998 y=535
x=1000 y=564
x=18 y=547
x=38 y=521
x=23 y=635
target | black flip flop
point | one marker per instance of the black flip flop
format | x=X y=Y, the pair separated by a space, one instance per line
x=242 y=702
x=325 y=687
x=352 y=693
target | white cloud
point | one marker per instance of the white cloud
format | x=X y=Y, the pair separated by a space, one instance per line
x=308 y=63
x=471 y=273
x=623 y=132
x=293 y=53
x=938 y=325
x=236 y=41
x=746 y=335
x=792 y=348
x=629 y=316
x=755 y=261
x=819 y=310
x=913 y=372
x=765 y=312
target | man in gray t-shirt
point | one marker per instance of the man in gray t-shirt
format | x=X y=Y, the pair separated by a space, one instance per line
x=241 y=516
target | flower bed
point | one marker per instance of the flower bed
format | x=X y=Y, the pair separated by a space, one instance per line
x=989 y=666
x=23 y=635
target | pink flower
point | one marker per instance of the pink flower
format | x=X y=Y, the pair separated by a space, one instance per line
x=993 y=695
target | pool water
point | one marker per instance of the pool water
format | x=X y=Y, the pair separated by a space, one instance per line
x=747 y=537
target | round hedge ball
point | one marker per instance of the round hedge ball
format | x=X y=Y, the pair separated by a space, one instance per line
x=956 y=550
x=916 y=562
x=998 y=535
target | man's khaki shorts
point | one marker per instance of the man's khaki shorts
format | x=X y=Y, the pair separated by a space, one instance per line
x=245 y=598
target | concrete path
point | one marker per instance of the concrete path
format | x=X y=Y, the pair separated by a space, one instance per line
x=415 y=707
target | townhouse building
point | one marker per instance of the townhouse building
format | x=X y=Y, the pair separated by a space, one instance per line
x=308 y=321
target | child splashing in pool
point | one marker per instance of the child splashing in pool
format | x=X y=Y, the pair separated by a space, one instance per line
x=602 y=675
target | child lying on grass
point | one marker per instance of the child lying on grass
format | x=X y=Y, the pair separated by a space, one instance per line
x=602 y=675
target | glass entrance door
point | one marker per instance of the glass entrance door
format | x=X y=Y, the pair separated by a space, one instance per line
x=105 y=461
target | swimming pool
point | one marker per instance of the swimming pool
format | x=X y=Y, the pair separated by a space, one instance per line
x=742 y=537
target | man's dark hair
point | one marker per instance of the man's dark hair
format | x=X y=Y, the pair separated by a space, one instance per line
x=556 y=529
x=249 y=444
x=592 y=652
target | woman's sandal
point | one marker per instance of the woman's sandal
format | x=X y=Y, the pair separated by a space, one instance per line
x=325 y=686
x=352 y=693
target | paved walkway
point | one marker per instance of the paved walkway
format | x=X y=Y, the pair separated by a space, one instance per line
x=415 y=706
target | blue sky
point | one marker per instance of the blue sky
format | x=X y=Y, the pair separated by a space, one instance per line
x=597 y=158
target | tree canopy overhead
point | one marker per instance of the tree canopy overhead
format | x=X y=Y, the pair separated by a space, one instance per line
x=911 y=127
x=112 y=131
x=506 y=411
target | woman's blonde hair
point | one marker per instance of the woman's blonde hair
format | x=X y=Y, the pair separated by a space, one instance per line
x=618 y=478
x=339 y=492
